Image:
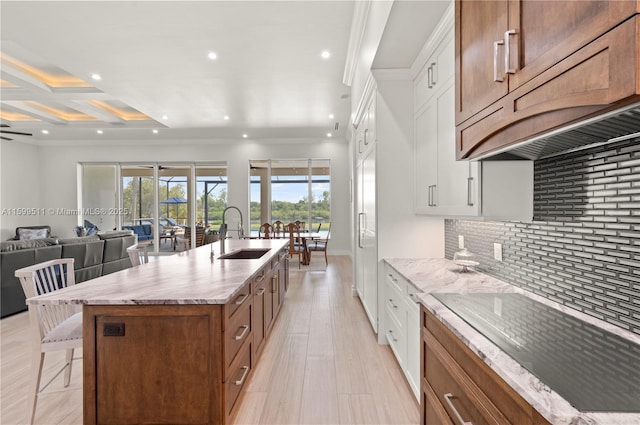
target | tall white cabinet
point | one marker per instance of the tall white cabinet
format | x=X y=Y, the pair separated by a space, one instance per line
x=366 y=235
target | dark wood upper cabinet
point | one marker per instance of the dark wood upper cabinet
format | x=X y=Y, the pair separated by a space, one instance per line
x=526 y=66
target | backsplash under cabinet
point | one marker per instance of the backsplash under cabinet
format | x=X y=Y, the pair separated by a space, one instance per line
x=583 y=247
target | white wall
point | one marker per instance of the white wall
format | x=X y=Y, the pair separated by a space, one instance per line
x=19 y=186
x=58 y=161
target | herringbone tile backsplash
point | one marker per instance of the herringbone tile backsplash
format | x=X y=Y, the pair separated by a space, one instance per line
x=583 y=247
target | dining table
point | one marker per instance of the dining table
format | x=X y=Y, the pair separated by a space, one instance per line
x=304 y=236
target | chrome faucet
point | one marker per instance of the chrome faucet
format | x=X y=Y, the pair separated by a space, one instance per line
x=223 y=228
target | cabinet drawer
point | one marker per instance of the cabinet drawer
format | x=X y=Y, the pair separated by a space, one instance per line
x=395 y=303
x=237 y=332
x=237 y=378
x=396 y=336
x=242 y=297
x=394 y=280
x=432 y=411
x=471 y=380
x=454 y=390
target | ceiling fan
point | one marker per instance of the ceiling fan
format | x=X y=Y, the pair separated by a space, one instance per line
x=3 y=132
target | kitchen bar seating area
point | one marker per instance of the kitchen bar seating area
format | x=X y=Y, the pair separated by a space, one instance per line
x=306 y=373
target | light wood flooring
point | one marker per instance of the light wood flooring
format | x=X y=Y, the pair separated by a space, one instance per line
x=321 y=364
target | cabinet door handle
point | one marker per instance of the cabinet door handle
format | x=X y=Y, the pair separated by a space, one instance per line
x=366 y=131
x=260 y=292
x=507 y=52
x=245 y=329
x=274 y=284
x=433 y=196
x=243 y=299
x=433 y=74
x=429 y=76
x=430 y=196
x=360 y=217
x=244 y=375
x=448 y=397
x=497 y=77
x=469 y=191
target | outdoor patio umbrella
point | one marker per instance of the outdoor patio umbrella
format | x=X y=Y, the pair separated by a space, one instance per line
x=176 y=201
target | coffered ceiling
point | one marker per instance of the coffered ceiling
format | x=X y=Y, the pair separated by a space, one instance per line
x=156 y=80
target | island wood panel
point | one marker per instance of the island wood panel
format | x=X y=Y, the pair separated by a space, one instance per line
x=480 y=395
x=167 y=367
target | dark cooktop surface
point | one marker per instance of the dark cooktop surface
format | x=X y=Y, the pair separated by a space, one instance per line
x=594 y=370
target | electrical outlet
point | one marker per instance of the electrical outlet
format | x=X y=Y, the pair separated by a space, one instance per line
x=497 y=251
x=460 y=241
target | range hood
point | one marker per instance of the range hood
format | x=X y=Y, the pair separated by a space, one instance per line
x=620 y=124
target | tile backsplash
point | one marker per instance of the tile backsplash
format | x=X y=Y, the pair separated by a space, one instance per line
x=582 y=248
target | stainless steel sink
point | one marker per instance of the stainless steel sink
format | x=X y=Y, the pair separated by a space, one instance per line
x=245 y=254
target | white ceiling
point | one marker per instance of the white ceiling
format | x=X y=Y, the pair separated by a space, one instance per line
x=269 y=77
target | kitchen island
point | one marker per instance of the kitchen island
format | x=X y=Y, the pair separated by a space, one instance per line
x=477 y=363
x=174 y=341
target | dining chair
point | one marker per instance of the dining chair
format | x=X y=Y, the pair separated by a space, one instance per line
x=138 y=254
x=278 y=228
x=184 y=241
x=301 y=225
x=296 y=245
x=54 y=327
x=265 y=231
x=320 y=245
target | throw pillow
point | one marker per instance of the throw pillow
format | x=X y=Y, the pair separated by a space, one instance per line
x=29 y=234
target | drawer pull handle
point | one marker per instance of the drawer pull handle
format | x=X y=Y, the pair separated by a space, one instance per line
x=274 y=284
x=413 y=297
x=392 y=337
x=392 y=304
x=448 y=397
x=245 y=329
x=392 y=278
x=243 y=299
x=244 y=375
x=260 y=292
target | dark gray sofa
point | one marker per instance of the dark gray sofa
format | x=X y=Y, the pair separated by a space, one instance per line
x=94 y=256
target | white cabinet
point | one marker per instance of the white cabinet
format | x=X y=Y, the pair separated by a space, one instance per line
x=446 y=187
x=402 y=325
x=366 y=262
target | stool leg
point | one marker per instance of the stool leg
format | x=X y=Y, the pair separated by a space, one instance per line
x=36 y=372
x=67 y=373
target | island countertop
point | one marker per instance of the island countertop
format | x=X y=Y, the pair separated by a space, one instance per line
x=443 y=276
x=189 y=277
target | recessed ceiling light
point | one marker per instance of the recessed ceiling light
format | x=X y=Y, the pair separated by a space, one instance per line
x=325 y=54
x=99 y=131
x=45 y=131
x=96 y=77
x=226 y=117
x=329 y=134
x=212 y=55
x=245 y=135
x=331 y=116
x=164 y=117
x=154 y=131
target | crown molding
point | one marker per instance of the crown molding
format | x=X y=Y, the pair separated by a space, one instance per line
x=369 y=90
x=444 y=27
x=358 y=27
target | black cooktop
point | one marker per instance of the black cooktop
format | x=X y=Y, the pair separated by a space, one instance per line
x=594 y=370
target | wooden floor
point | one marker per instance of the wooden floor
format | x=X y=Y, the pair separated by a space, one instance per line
x=321 y=364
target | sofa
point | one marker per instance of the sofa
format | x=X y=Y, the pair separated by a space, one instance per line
x=143 y=231
x=95 y=256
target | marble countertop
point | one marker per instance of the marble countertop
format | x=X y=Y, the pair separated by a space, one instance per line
x=189 y=277
x=441 y=275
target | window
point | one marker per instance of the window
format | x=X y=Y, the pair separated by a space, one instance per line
x=165 y=198
x=290 y=190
